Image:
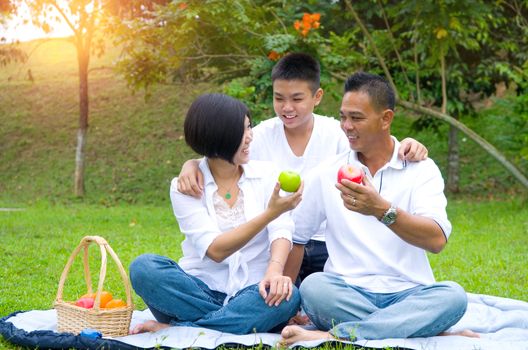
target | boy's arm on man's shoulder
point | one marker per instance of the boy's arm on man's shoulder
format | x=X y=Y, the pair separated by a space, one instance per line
x=412 y=150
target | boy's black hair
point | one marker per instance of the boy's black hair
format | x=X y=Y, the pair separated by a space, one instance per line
x=214 y=125
x=379 y=90
x=298 y=66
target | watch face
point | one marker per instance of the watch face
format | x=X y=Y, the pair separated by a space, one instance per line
x=390 y=216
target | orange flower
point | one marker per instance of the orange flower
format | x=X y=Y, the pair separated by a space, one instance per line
x=309 y=21
x=182 y=6
x=297 y=25
x=273 y=55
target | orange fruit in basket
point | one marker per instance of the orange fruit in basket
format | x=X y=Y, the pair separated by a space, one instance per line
x=105 y=297
x=115 y=303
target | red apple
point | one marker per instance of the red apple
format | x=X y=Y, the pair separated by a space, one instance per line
x=87 y=303
x=289 y=181
x=351 y=173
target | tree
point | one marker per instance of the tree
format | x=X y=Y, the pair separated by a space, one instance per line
x=86 y=19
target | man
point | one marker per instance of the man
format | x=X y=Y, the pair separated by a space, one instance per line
x=377 y=282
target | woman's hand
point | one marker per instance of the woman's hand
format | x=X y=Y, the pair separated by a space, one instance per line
x=275 y=287
x=279 y=205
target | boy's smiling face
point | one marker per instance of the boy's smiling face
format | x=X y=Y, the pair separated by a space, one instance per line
x=294 y=102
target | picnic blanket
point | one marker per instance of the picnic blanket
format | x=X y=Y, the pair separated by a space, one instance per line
x=502 y=324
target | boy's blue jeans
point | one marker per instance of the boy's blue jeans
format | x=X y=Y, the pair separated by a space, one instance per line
x=177 y=298
x=314 y=259
x=350 y=312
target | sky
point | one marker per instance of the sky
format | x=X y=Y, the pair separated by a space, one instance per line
x=20 y=28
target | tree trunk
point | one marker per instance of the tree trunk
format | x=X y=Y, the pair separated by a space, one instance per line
x=83 y=57
x=453 y=163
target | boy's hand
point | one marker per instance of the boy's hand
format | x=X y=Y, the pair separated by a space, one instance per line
x=190 y=181
x=412 y=150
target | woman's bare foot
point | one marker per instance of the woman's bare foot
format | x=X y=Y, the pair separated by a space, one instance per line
x=464 y=333
x=149 y=326
x=299 y=319
x=293 y=334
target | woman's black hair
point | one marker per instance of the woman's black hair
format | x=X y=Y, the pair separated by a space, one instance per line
x=214 y=125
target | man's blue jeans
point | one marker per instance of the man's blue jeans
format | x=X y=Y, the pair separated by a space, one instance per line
x=350 y=312
x=177 y=298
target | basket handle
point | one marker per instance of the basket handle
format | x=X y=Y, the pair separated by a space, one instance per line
x=104 y=247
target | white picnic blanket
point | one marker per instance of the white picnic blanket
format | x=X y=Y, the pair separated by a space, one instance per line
x=502 y=324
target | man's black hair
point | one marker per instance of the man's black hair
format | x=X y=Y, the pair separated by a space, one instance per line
x=379 y=90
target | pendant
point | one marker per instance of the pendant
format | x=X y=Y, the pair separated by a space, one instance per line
x=227 y=195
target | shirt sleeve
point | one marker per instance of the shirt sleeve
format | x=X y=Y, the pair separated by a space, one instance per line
x=194 y=220
x=428 y=196
x=309 y=214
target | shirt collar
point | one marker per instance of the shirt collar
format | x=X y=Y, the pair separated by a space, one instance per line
x=250 y=172
x=394 y=162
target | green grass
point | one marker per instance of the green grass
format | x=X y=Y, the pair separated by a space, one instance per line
x=486 y=253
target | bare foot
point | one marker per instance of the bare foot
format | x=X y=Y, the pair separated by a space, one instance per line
x=149 y=326
x=464 y=333
x=293 y=334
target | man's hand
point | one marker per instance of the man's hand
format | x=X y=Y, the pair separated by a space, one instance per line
x=362 y=198
x=412 y=150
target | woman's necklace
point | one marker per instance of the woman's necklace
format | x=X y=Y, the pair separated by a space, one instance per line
x=228 y=192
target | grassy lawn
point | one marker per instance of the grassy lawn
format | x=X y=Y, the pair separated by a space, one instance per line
x=486 y=253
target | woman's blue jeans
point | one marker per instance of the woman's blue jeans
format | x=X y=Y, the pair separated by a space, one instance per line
x=350 y=312
x=177 y=298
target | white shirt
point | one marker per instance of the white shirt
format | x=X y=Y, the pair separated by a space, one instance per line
x=361 y=249
x=270 y=144
x=198 y=222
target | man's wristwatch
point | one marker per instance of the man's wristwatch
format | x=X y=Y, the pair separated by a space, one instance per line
x=390 y=216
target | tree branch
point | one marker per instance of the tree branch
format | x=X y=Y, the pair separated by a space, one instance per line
x=471 y=134
x=374 y=47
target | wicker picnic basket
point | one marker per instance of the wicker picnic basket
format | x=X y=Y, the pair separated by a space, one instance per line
x=110 y=322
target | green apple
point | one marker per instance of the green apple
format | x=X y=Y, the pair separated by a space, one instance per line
x=289 y=181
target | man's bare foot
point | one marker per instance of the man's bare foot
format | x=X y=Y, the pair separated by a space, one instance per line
x=149 y=326
x=293 y=334
x=464 y=333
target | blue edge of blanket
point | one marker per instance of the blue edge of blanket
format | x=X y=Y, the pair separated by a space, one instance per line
x=54 y=340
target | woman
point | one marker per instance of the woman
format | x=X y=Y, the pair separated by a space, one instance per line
x=237 y=239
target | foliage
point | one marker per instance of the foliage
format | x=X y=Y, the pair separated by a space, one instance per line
x=447 y=52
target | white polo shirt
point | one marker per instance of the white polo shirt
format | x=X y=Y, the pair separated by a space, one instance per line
x=361 y=249
x=198 y=222
x=270 y=144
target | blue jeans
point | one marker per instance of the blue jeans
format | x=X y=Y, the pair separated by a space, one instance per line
x=177 y=298
x=314 y=259
x=350 y=312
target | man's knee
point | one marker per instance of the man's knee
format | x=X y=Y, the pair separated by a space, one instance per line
x=312 y=287
x=454 y=295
